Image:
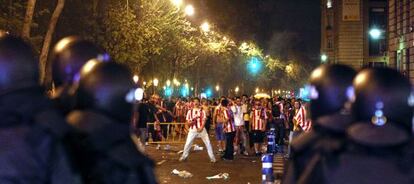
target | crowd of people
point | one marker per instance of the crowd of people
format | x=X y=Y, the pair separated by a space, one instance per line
x=359 y=127
x=238 y=124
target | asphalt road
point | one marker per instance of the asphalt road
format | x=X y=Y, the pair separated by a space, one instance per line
x=242 y=170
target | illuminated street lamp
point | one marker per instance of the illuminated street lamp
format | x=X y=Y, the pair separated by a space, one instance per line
x=375 y=33
x=205 y=27
x=217 y=88
x=324 y=57
x=189 y=10
x=135 y=78
x=254 y=65
x=168 y=83
x=237 y=89
x=257 y=90
x=177 y=3
x=155 y=81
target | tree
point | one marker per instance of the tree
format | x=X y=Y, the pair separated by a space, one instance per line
x=28 y=18
x=45 y=67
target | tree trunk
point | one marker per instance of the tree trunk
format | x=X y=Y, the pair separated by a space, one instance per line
x=45 y=66
x=28 y=18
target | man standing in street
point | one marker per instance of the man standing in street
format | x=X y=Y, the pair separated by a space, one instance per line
x=229 y=129
x=258 y=125
x=240 y=138
x=196 y=119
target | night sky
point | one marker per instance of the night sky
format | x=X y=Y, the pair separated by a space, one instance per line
x=268 y=22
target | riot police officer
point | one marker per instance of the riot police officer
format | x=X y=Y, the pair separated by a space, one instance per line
x=329 y=108
x=107 y=153
x=30 y=129
x=381 y=132
x=67 y=58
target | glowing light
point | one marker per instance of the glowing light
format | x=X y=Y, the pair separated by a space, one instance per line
x=155 y=81
x=145 y=83
x=257 y=90
x=217 y=88
x=237 y=89
x=375 y=33
x=254 y=65
x=185 y=91
x=205 y=27
x=177 y=3
x=168 y=91
x=324 y=57
x=139 y=94
x=208 y=92
x=135 y=78
x=189 y=10
x=168 y=83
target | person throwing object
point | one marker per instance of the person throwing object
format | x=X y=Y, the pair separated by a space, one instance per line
x=196 y=119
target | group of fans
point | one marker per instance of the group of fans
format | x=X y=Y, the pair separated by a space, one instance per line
x=240 y=124
x=360 y=128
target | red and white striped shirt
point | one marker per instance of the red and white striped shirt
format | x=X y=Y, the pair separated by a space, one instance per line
x=196 y=115
x=259 y=117
x=229 y=125
x=301 y=119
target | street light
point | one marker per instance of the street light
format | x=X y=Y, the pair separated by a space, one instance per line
x=257 y=90
x=217 y=88
x=155 y=81
x=168 y=83
x=189 y=10
x=135 y=78
x=324 y=57
x=237 y=89
x=205 y=27
x=375 y=33
x=177 y=3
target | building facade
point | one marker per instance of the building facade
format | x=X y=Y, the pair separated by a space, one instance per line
x=354 y=32
x=401 y=40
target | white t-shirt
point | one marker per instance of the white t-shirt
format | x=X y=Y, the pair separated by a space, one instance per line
x=238 y=115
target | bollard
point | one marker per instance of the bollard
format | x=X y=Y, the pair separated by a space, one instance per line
x=271 y=141
x=267 y=169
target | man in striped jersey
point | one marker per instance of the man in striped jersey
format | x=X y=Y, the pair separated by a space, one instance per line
x=258 y=125
x=229 y=130
x=196 y=119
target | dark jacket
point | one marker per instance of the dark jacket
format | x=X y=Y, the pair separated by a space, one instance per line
x=325 y=141
x=30 y=140
x=375 y=155
x=107 y=154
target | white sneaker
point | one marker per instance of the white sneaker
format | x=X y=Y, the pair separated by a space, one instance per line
x=158 y=147
x=213 y=160
x=245 y=153
x=234 y=153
